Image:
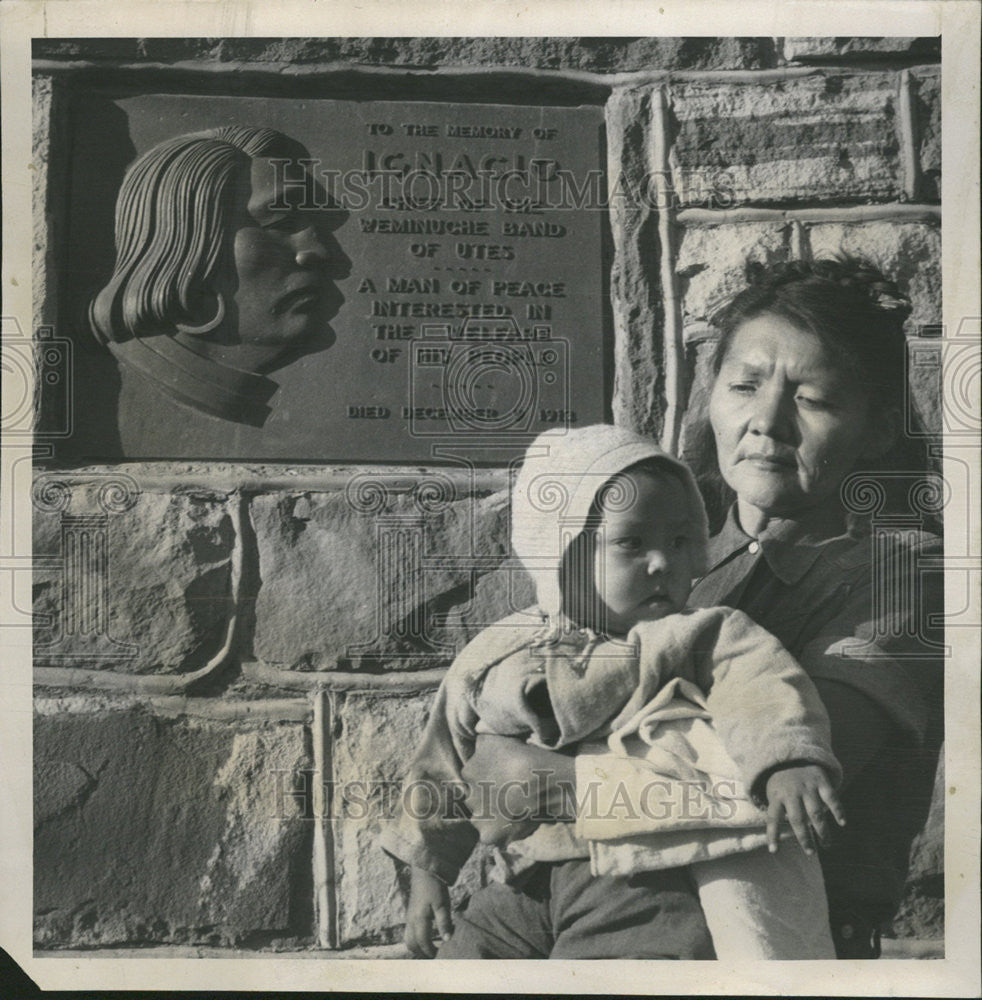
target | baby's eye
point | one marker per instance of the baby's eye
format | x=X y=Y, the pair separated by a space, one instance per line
x=629 y=543
x=680 y=541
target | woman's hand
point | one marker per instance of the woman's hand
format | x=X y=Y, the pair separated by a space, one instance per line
x=514 y=786
x=805 y=795
x=429 y=903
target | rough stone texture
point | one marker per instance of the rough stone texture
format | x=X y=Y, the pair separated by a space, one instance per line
x=711 y=260
x=927 y=117
x=595 y=54
x=376 y=735
x=255 y=875
x=921 y=913
x=164 y=595
x=634 y=286
x=48 y=224
x=695 y=448
x=59 y=786
x=498 y=594
x=711 y=266
x=42 y=257
x=154 y=831
x=909 y=252
x=801 y=139
x=825 y=48
x=330 y=595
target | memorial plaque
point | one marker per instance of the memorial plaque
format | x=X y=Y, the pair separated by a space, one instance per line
x=474 y=306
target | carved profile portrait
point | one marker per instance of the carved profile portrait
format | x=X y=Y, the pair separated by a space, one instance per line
x=226 y=263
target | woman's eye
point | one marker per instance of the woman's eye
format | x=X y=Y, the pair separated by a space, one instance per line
x=680 y=541
x=813 y=403
x=745 y=388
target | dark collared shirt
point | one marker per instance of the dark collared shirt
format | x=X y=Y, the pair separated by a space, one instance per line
x=859 y=608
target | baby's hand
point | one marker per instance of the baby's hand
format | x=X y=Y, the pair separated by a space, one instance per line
x=804 y=795
x=429 y=901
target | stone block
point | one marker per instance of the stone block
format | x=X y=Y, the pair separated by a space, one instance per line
x=907 y=252
x=122 y=49
x=926 y=386
x=49 y=192
x=360 y=578
x=602 y=54
x=826 y=48
x=927 y=119
x=595 y=54
x=42 y=96
x=500 y=593
x=153 y=831
x=375 y=736
x=696 y=445
x=799 y=139
x=910 y=254
x=143 y=588
x=711 y=266
x=635 y=288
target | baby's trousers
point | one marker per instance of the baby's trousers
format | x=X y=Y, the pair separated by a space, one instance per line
x=560 y=910
x=754 y=905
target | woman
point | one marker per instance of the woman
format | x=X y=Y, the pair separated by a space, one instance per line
x=808 y=388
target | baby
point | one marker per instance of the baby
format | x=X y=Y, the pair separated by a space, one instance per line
x=612 y=531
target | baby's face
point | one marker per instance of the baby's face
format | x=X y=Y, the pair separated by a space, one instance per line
x=644 y=554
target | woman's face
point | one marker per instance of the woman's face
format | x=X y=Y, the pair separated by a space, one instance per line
x=789 y=423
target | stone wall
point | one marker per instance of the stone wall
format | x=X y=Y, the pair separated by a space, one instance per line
x=210 y=638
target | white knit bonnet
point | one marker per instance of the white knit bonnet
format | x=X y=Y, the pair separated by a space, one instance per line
x=555 y=489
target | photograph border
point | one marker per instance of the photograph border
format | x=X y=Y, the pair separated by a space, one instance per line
x=957 y=21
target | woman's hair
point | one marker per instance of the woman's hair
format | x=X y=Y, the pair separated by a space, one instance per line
x=582 y=605
x=857 y=314
x=173 y=223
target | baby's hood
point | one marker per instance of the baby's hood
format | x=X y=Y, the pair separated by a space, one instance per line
x=552 y=495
